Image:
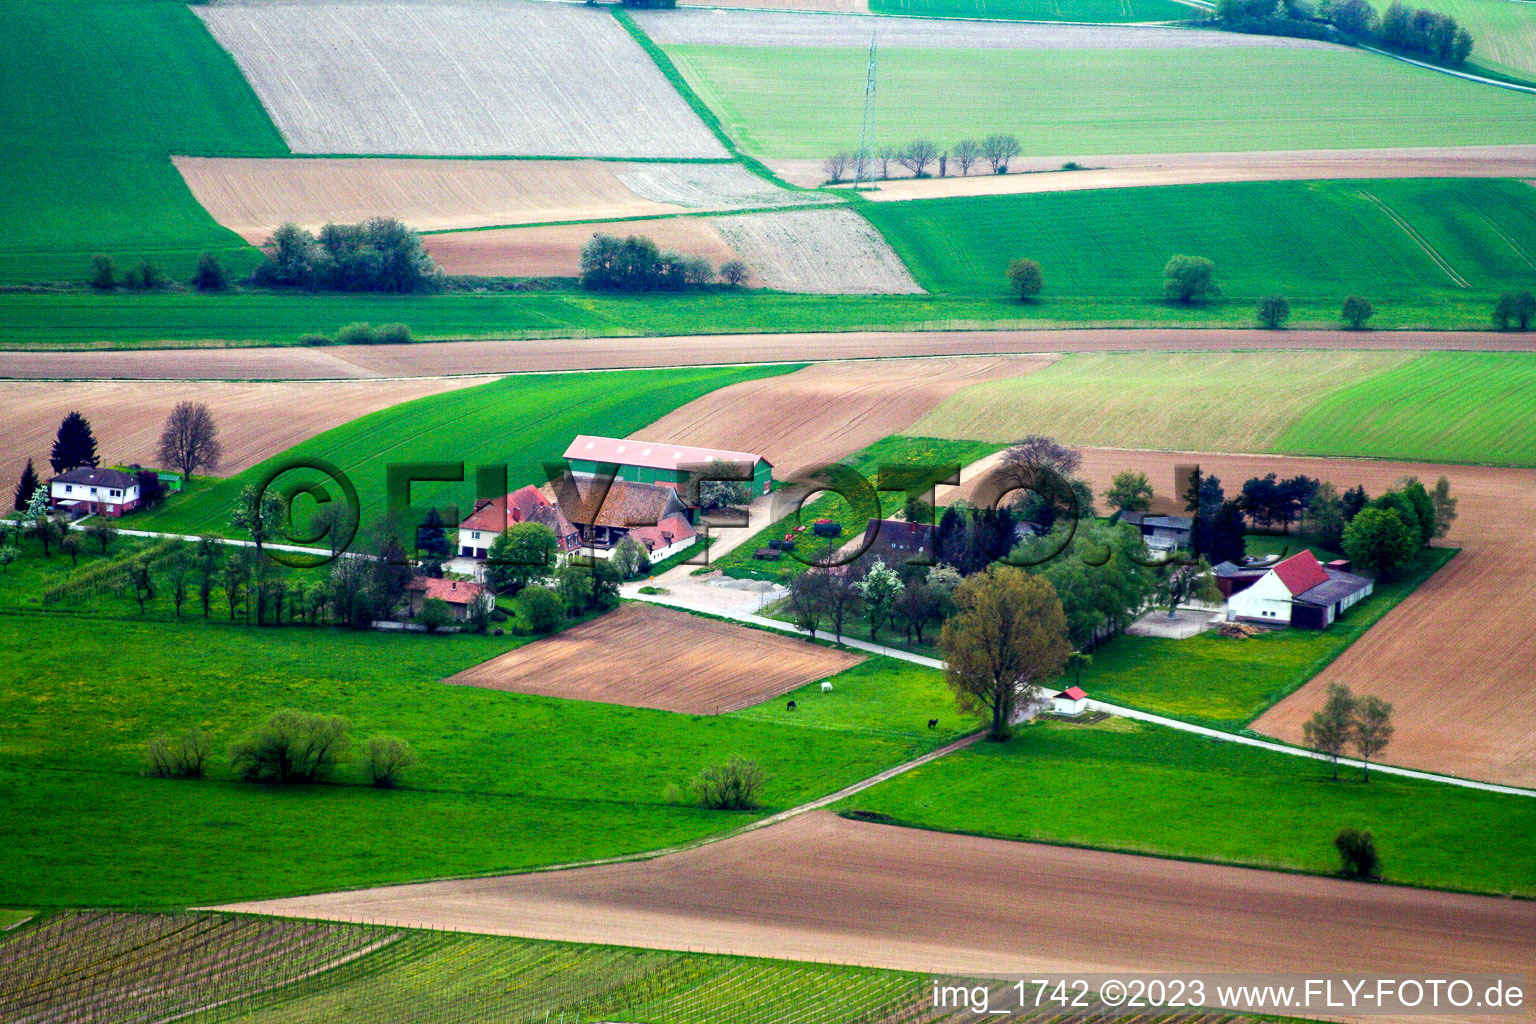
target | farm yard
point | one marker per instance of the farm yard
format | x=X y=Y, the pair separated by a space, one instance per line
x=649 y=657
x=252 y=197
x=817 y=886
x=828 y=252
x=428 y=79
x=1189 y=98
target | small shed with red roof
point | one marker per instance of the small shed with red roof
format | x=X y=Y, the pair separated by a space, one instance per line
x=1071 y=701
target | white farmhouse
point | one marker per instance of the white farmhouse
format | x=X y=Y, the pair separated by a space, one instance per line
x=108 y=492
x=1300 y=591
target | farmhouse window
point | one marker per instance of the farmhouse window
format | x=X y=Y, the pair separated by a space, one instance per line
x=476 y=534
x=68 y=488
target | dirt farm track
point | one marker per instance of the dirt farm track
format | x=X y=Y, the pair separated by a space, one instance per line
x=820 y=887
x=447 y=358
x=649 y=657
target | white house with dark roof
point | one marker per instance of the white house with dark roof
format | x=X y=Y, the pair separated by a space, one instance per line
x=1300 y=591
x=91 y=489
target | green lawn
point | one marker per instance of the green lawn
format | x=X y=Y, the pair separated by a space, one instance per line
x=1128 y=786
x=1310 y=241
x=1459 y=407
x=506 y=781
x=94 y=98
x=1080 y=103
x=1041 y=10
x=520 y=422
x=1225 y=684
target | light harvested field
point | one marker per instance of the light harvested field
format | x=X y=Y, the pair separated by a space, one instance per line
x=256 y=419
x=818 y=887
x=819 y=414
x=825 y=252
x=522 y=356
x=644 y=656
x=457 y=79
x=1043 y=174
x=251 y=197
x=1454 y=657
x=786 y=28
x=1239 y=401
x=555 y=250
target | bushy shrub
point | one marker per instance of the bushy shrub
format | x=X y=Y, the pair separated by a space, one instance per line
x=732 y=786
x=385 y=759
x=541 y=608
x=637 y=264
x=1357 y=854
x=734 y=273
x=355 y=334
x=1190 y=279
x=1357 y=311
x=103 y=272
x=1026 y=278
x=434 y=614
x=209 y=275
x=314 y=339
x=392 y=334
x=146 y=275
x=1274 y=311
x=292 y=747
x=179 y=756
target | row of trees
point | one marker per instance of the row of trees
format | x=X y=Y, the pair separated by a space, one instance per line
x=1414 y=30
x=378 y=255
x=147 y=275
x=918 y=156
x=289 y=748
x=638 y=264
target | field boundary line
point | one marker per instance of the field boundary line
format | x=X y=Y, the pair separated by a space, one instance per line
x=1447 y=71
x=1418 y=239
x=1494 y=227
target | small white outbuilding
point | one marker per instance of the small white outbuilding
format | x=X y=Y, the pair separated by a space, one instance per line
x=1071 y=701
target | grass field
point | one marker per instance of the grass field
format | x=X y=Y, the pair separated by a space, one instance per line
x=1041 y=10
x=1460 y=407
x=1504 y=32
x=520 y=422
x=1317 y=241
x=1134 y=787
x=94 y=97
x=1077 y=103
x=1225 y=684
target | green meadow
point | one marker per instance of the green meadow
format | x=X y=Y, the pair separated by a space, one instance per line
x=1448 y=406
x=1504 y=33
x=94 y=99
x=1041 y=10
x=519 y=422
x=1079 y=103
x=1129 y=786
x=1310 y=241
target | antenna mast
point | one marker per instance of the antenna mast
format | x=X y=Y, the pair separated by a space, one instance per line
x=867 y=136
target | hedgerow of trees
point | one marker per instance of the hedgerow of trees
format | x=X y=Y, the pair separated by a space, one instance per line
x=1416 y=31
x=920 y=156
x=378 y=255
x=638 y=264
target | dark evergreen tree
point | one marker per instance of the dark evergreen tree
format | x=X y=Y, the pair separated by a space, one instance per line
x=432 y=536
x=75 y=445
x=1353 y=500
x=24 y=488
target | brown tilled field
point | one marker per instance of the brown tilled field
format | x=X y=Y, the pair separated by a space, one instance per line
x=256 y=420
x=648 y=657
x=556 y=251
x=529 y=356
x=818 y=887
x=1455 y=657
x=829 y=410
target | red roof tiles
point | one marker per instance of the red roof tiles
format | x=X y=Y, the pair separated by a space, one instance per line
x=1301 y=572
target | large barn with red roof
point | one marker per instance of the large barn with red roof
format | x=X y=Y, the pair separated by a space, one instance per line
x=1300 y=591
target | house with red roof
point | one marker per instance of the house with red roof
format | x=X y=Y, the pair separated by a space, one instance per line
x=1071 y=701
x=459 y=595
x=1300 y=591
x=526 y=505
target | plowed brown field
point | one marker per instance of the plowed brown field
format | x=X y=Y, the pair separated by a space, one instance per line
x=556 y=251
x=256 y=420
x=823 y=412
x=527 y=356
x=818 y=887
x=649 y=657
x=1455 y=657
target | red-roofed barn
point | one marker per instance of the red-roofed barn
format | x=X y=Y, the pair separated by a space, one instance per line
x=1300 y=591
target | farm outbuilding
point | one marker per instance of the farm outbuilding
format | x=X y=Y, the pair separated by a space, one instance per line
x=660 y=463
x=1071 y=701
x=1300 y=591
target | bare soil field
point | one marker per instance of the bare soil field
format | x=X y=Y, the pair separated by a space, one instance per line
x=555 y=354
x=457 y=79
x=818 y=887
x=555 y=250
x=826 y=411
x=256 y=420
x=1455 y=657
x=789 y=28
x=1044 y=174
x=827 y=252
x=644 y=656
x=836 y=6
x=253 y=196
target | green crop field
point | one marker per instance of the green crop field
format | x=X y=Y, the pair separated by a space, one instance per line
x=94 y=98
x=1078 y=103
x=520 y=422
x=1504 y=33
x=1042 y=10
x=1143 y=789
x=1459 y=407
x=1309 y=241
